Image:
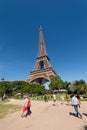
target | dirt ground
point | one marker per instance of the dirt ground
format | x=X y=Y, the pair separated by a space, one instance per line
x=45 y=116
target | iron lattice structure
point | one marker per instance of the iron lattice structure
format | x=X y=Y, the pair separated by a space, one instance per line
x=42 y=71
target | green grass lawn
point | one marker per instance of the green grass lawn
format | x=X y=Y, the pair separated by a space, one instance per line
x=50 y=97
x=6 y=109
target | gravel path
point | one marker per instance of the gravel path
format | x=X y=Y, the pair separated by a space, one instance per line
x=45 y=116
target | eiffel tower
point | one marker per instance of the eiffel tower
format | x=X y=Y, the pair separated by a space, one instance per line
x=42 y=71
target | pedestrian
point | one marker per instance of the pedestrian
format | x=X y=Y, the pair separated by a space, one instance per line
x=54 y=99
x=28 y=107
x=75 y=104
x=45 y=98
x=25 y=107
x=62 y=99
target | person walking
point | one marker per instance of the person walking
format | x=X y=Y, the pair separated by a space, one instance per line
x=25 y=107
x=28 y=107
x=54 y=100
x=45 y=98
x=75 y=104
x=62 y=99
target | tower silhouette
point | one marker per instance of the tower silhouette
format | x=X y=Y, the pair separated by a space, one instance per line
x=42 y=71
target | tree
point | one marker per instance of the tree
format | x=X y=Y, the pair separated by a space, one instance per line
x=81 y=89
x=2 y=91
x=78 y=87
x=72 y=86
x=36 y=89
x=56 y=83
x=81 y=81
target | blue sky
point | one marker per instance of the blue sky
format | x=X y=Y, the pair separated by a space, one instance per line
x=65 y=32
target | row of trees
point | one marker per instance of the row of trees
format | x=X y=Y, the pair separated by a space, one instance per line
x=12 y=88
x=76 y=86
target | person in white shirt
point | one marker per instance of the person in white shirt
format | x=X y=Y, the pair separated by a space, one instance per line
x=54 y=99
x=62 y=99
x=75 y=103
